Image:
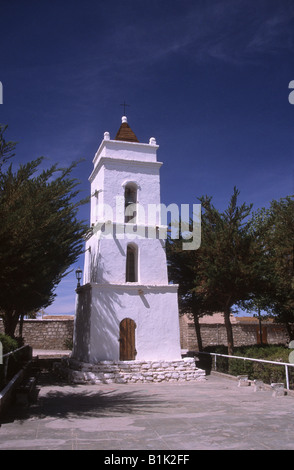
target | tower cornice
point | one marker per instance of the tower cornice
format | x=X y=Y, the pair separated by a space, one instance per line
x=114 y=161
x=118 y=145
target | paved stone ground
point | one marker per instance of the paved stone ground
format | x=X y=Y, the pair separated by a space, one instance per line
x=211 y=415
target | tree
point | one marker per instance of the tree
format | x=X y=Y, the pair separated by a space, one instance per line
x=231 y=266
x=227 y=267
x=183 y=266
x=181 y=269
x=276 y=226
x=6 y=148
x=40 y=235
x=259 y=307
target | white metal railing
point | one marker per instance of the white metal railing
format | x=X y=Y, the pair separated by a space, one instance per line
x=285 y=364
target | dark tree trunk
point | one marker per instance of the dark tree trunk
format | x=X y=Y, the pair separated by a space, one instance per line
x=290 y=331
x=260 y=327
x=10 y=320
x=229 y=330
x=198 y=332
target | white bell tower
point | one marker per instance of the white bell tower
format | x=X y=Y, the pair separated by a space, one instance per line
x=126 y=309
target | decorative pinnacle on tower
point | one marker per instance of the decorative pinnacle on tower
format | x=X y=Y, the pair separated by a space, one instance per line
x=125 y=133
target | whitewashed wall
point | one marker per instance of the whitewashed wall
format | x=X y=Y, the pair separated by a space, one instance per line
x=106 y=298
x=155 y=312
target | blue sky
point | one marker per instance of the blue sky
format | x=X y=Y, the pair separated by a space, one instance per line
x=208 y=79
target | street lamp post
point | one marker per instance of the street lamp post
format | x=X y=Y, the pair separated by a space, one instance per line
x=79 y=276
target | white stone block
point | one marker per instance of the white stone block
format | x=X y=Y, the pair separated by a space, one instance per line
x=156 y=365
x=109 y=375
x=120 y=380
x=175 y=375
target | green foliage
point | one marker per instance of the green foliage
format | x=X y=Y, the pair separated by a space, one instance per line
x=40 y=236
x=230 y=267
x=227 y=267
x=6 y=148
x=244 y=259
x=268 y=373
x=274 y=228
x=68 y=343
x=9 y=344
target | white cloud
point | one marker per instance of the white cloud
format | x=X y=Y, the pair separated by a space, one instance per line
x=228 y=30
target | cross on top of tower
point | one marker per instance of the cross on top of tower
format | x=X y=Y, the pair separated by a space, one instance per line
x=124 y=105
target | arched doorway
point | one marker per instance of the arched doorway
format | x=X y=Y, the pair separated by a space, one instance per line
x=127 y=349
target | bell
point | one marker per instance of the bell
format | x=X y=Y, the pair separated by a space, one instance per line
x=130 y=196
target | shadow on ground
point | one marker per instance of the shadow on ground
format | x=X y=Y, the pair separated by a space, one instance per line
x=71 y=401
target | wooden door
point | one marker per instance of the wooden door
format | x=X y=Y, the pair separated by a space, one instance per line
x=127 y=350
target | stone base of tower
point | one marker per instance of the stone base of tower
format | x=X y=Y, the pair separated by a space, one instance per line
x=123 y=372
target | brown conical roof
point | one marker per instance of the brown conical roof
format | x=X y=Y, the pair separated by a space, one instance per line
x=125 y=132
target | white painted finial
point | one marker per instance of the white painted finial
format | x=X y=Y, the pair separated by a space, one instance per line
x=124 y=119
x=152 y=141
x=106 y=136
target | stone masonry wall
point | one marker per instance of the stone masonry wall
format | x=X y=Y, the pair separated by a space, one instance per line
x=243 y=333
x=57 y=333
x=46 y=334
